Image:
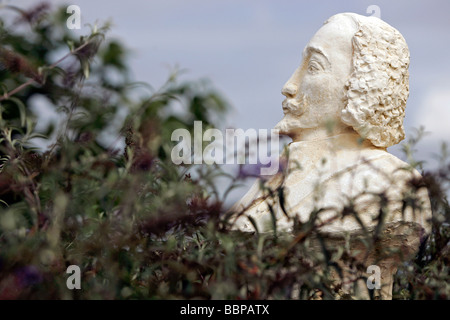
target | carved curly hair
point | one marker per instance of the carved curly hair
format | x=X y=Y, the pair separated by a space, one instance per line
x=379 y=84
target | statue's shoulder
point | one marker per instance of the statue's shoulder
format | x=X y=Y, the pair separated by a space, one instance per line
x=378 y=170
x=394 y=166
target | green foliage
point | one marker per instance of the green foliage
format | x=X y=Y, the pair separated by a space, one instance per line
x=139 y=226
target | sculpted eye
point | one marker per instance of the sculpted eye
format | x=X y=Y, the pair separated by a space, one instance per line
x=314 y=67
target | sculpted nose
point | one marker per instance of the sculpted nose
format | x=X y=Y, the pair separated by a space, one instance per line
x=289 y=90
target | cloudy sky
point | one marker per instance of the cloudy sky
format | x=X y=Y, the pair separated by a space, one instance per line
x=249 y=48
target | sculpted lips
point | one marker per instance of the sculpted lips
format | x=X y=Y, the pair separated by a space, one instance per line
x=293 y=106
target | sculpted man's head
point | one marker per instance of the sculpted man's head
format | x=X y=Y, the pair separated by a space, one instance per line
x=353 y=76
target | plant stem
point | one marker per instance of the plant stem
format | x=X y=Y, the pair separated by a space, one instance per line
x=50 y=67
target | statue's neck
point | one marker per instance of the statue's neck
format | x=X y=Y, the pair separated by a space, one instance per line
x=342 y=141
x=322 y=133
x=342 y=150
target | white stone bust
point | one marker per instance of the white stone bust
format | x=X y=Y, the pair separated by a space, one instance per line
x=344 y=105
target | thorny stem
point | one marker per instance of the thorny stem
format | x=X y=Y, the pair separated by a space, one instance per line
x=50 y=67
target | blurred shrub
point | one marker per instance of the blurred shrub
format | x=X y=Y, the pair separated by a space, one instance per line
x=139 y=226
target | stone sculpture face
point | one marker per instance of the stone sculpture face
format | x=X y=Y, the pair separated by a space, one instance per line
x=354 y=73
x=315 y=93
